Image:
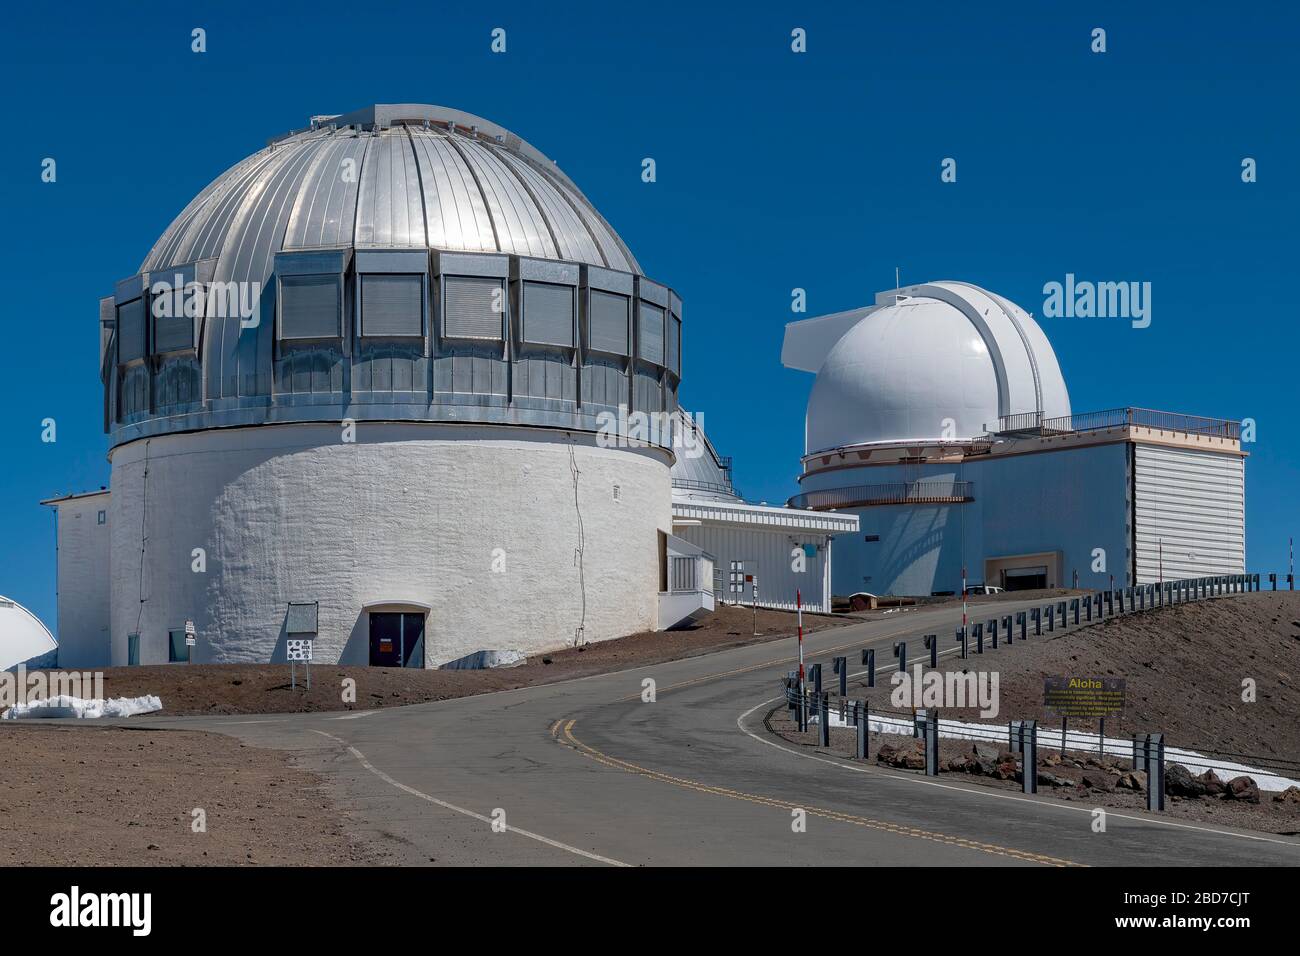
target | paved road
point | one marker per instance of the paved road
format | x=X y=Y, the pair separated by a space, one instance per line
x=584 y=772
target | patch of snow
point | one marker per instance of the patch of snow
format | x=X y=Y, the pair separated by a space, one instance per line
x=65 y=706
x=484 y=660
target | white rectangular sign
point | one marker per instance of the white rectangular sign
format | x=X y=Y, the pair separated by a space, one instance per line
x=298 y=650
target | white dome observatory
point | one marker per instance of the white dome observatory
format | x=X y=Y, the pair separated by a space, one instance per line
x=927 y=364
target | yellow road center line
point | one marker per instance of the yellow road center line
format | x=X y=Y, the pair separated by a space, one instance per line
x=754 y=667
x=836 y=815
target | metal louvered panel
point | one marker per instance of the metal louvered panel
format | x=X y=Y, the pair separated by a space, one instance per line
x=392 y=305
x=675 y=344
x=310 y=306
x=548 y=313
x=107 y=322
x=130 y=331
x=607 y=322
x=473 y=307
x=173 y=333
x=650 y=340
x=301 y=618
x=1189 y=511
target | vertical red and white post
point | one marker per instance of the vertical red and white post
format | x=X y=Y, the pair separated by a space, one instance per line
x=798 y=603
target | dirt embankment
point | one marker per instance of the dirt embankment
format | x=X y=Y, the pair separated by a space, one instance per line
x=109 y=796
x=265 y=688
x=1186 y=669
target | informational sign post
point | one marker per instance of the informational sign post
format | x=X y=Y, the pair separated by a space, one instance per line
x=191 y=640
x=1084 y=698
x=298 y=649
x=753 y=595
x=300 y=624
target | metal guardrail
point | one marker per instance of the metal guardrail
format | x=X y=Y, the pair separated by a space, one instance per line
x=1028 y=423
x=1033 y=423
x=926 y=491
x=689 y=484
x=1151 y=752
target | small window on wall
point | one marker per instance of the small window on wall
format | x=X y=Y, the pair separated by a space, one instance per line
x=473 y=307
x=650 y=341
x=101 y=517
x=548 y=314
x=177 y=650
x=310 y=306
x=607 y=322
x=130 y=331
x=392 y=305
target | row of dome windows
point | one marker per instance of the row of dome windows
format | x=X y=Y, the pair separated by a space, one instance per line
x=561 y=305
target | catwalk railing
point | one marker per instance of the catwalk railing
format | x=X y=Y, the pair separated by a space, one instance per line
x=1034 y=423
x=926 y=491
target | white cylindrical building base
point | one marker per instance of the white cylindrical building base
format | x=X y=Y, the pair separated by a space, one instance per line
x=507 y=538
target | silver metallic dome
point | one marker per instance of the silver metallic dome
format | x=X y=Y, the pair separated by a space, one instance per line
x=403 y=263
x=392 y=176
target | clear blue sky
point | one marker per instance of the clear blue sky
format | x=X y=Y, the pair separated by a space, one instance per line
x=775 y=171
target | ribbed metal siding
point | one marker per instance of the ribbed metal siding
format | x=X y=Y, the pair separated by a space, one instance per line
x=392 y=305
x=767 y=554
x=647 y=393
x=548 y=313
x=650 y=341
x=608 y=322
x=1191 y=505
x=469 y=303
x=310 y=306
x=130 y=331
x=683 y=574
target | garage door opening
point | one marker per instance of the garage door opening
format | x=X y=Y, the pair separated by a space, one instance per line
x=1025 y=579
x=396 y=639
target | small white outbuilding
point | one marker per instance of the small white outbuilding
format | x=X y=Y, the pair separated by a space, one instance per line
x=23 y=638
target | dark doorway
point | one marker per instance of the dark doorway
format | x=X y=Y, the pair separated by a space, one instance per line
x=1025 y=579
x=396 y=639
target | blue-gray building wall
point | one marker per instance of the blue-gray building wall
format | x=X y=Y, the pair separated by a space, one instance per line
x=1068 y=500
